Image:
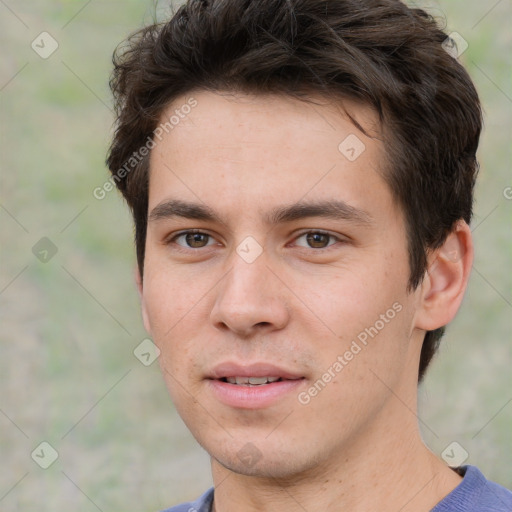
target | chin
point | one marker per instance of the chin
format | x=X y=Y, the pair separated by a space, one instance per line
x=265 y=461
x=274 y=469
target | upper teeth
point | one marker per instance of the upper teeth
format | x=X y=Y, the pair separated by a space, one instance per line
x=251 y=380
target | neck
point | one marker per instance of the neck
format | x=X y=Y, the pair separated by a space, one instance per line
x=366 y=474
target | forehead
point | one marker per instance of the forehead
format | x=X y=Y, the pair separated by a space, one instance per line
x=222 y=110
x=241 y=150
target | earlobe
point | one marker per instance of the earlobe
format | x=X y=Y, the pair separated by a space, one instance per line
x=446 y=279
x=145 y=316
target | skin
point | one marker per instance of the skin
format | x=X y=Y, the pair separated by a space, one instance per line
x=356 y=444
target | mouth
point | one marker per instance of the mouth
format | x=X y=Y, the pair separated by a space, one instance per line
x=259 y=373
x=253 y=381
x=254 y=386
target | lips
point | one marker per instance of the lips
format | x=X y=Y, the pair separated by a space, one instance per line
x=253 y=386
x=252 y=374
x=251 y=381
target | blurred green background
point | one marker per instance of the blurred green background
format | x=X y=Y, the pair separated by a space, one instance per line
x=70 y=320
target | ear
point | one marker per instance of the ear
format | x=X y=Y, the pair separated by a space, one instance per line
x=446 y=279
x=145 y=316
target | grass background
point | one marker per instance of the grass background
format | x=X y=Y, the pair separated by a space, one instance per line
x=68 y=375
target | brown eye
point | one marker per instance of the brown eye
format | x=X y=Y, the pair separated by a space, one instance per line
x=196 y=240
x=192 y=239
x=317 y=239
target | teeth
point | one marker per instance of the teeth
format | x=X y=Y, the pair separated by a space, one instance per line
x=254 y=381
x=258 y=380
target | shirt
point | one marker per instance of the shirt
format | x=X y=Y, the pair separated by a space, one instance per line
x=473 y=494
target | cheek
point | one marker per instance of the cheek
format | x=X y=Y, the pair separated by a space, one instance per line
x=349 y=299
x=171 y=298
x=172 y=308
x=366 y=313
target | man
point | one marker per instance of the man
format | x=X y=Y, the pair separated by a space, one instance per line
x=301 y=176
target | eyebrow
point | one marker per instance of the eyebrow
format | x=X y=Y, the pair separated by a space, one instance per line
x=330 y=209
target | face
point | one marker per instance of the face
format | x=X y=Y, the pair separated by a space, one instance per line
x=275 y=249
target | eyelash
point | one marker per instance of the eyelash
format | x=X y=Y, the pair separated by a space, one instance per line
x=182 y=248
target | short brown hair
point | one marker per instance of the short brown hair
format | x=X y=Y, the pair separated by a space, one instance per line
x=380 y=52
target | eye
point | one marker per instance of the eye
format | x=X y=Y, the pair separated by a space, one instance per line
x=192 y=239
x=317 y=239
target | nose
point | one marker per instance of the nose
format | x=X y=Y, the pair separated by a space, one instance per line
x=250 y=299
